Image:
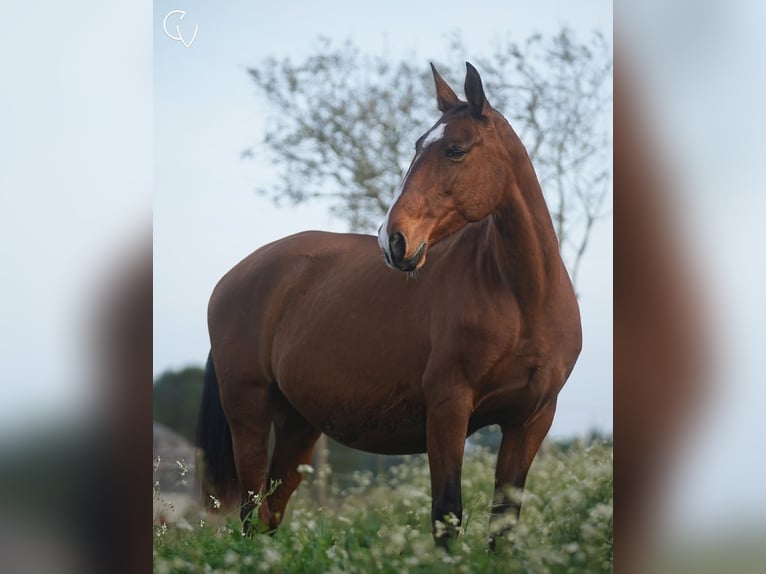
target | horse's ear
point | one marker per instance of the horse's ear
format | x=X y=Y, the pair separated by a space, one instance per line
x=474 y=92
x=445 y=96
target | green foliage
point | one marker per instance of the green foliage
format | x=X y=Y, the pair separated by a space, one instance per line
x=176 y=399
x=383 y=526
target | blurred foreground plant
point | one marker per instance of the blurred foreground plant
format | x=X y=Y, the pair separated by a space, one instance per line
x=381 y=524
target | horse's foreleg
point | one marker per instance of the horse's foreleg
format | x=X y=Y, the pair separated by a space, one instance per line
x=293 y=446
x=517 y=451
x=446 y=428
x=246 y=404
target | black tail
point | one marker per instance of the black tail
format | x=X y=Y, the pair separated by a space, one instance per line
x=217 y=472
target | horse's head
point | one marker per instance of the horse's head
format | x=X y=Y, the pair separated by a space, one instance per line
x=457 y=176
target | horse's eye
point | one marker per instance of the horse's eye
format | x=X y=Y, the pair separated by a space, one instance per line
x=454 y=152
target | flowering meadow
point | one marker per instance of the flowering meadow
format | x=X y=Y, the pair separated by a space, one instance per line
x=381 y=524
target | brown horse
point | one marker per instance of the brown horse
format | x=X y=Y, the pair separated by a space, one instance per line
x=314 y=334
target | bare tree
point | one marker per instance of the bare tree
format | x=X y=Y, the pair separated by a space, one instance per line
x=344 y=125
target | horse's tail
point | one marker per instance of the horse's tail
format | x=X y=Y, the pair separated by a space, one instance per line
x=218 y=473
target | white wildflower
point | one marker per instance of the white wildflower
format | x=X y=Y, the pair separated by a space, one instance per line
x=572 y=547
x=270 y=557
x=182 y=468
x=215 y=502
x=305 y=469
x=440 y=529
x=254 y=497
x=230 y=557
x=412 y=561
x=336 y=554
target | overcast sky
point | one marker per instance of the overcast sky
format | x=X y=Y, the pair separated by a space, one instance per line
x=206 y=217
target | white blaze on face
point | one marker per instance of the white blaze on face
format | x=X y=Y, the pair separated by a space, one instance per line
x=436 y=133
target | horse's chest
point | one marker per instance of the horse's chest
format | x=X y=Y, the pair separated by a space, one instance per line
x=482 y=340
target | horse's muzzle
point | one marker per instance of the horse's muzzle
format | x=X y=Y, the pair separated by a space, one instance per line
x=397 y=250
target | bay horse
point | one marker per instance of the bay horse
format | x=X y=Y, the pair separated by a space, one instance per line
x=472 y=321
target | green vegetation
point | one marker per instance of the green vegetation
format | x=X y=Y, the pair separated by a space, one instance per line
x=382 y=524
x=176 y=399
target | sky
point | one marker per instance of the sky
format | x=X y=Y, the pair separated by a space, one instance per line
x=206 y=111
x=75 y=193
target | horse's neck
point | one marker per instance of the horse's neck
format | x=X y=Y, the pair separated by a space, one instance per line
x=526 y=247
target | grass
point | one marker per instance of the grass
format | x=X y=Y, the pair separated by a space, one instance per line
x=382 y=525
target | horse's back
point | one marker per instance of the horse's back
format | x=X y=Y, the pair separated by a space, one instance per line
x=289 y=258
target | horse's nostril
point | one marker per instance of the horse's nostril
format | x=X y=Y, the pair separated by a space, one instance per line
x=398 y=245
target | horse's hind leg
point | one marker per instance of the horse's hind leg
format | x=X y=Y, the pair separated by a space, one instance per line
x=294 y=440
x=246 y=404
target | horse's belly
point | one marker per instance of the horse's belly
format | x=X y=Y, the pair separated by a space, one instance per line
x=409 y=440
x=367 y=415
x=355 y=376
